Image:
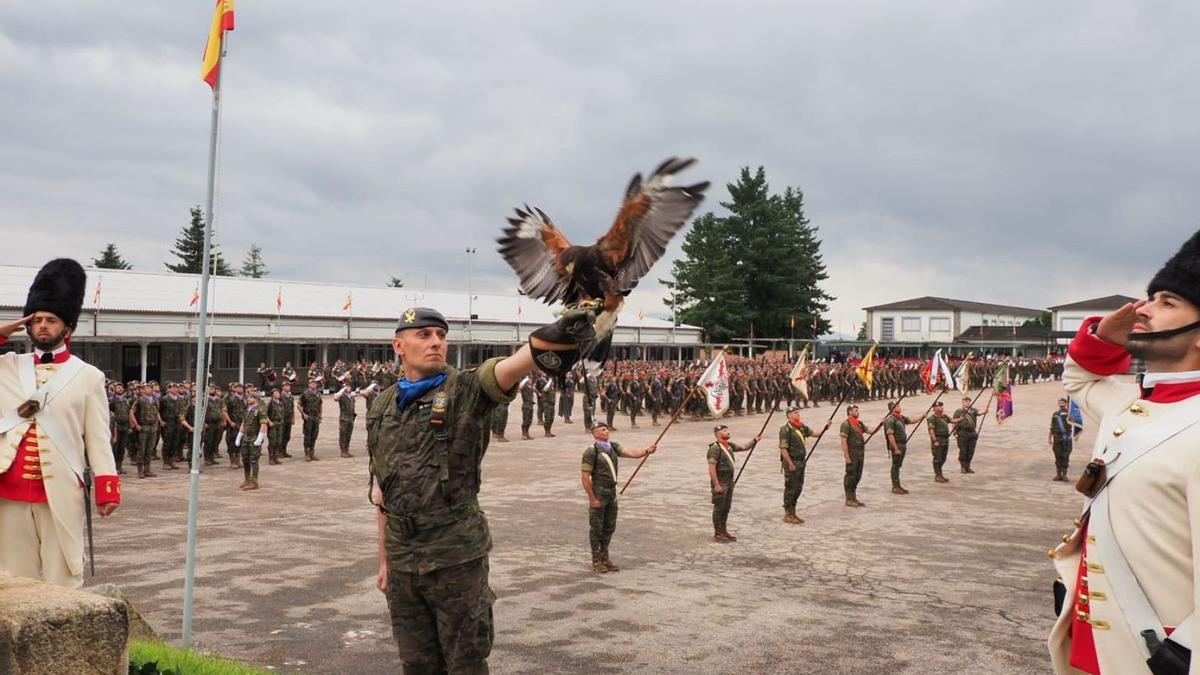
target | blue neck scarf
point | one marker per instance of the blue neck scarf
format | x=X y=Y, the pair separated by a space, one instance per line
x=411 y=391
x=605 y=445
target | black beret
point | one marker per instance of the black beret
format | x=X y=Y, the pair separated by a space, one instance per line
x=720 y=427
x=422 y=317
x=58 y=288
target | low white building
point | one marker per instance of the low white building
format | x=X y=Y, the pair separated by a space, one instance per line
x=1069 y=317
x=143 y=325
x=933 y=319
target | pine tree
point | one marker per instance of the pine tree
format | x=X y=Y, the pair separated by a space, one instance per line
x=253 y=265
x=110 y=259
x=395 y=282
x=189 y=248
x=761 y=263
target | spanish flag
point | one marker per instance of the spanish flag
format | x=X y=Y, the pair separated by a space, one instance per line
x=195 y=297
x=348 y=303
x=96 y=295
x=279 y=301
x=866 y=368
x=222 y=21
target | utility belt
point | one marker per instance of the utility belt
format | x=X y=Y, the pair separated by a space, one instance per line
x=412 y=524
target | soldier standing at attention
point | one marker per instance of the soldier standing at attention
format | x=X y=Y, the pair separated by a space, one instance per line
x=144 y=418
x=966 y=422
x=526 y=407
x=169 y=408
x=214 y=424
x=426 y=438
x=854 y=443
x=546 y=397
x=118 y=408
x=274 y=406
x=610 y=400
x=600 y=483
x=235 y=409
x=895 y=428
x=310 y=415
x=566 y=401
x=346 y=415
x=939 y=440
x=792 y=454
x=587 y=383
x=720 y=475
x=499 y=423
x=255 y=429
x=289 y=416
x=1061 y=439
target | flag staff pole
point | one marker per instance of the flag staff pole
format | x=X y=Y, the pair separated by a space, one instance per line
x=189 y=582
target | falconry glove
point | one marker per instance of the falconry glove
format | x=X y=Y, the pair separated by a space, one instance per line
x=556 y=347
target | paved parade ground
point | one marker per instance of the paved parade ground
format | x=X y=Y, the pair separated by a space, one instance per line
x=948 y=579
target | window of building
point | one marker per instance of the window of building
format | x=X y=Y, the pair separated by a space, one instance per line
x=887 y=329
x=910 y=324
x=227 y=356
x=939 y=325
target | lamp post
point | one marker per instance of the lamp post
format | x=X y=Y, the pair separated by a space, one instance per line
x=470 y=296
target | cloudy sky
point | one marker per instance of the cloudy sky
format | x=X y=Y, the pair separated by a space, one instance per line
x=1026 y=153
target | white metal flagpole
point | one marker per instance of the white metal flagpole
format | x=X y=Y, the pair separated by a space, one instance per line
x=189 y=583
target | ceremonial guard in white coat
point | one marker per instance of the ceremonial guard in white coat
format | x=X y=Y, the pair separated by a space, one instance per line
x=54 y=434
x=1127 y=583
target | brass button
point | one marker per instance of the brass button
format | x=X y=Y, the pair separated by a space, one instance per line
x=1083 y=580
x=1097 y=595
x=1083 y=598
x=1082 y=616
x=1098 y=624
x=1095 y=567
x=1066 y=538
x=30 y=476
x=1137 y=409
x=1091 y=539
x=1118 y=431
x=1078 y=522
x=1052 y=553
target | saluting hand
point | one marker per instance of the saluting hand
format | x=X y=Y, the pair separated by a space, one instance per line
x=12 y=327
x=1115 y=327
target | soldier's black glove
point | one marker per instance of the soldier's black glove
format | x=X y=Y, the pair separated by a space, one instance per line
x=556 y=347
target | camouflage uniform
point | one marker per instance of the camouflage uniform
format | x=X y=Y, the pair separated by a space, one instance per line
x=235 y=408
x=145 y=411
x=346 y=415
x=966 y=427
x=288 y=399
x=214 y=423
x=252 y=421
x=566 y=402
x=499 y=421
x=856 y=445
x=939 y=442
x=427 y=460
x=1062 y=441
x=118 y=409
x=897 y=428
x=722 y=501
x=310 y=406
x=791 y=441
x=275 y=414
x=526 y=406
x=602 y=522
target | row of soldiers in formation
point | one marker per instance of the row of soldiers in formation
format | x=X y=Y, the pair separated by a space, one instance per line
x=656 y=389
x=144 y=414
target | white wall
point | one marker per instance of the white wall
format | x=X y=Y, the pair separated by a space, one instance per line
x=922 y=326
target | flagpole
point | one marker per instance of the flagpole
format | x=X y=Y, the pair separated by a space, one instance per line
x=189 y=578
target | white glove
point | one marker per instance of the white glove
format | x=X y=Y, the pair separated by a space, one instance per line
x=262 y=437
x=238 y=442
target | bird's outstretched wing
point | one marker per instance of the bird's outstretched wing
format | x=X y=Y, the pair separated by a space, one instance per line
x=531 y=245
x=651 y=214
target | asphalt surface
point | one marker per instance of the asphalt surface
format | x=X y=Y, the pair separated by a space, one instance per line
x=948 y=579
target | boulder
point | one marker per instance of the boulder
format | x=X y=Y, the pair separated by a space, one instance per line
x=46 y=629
x=139 y=628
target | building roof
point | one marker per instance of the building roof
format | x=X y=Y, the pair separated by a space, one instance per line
x=1003 y=333
x=169 y=293
x=930 y=302
x=1107 y=302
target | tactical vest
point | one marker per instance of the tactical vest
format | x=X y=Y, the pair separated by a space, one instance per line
x=146 y=412
x=604 y=483
x=458 y=446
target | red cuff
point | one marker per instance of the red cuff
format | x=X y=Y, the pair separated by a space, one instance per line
x=1097 y=355
x=3 y=339
x=108 y=490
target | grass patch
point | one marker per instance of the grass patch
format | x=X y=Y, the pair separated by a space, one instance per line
x=174 y=660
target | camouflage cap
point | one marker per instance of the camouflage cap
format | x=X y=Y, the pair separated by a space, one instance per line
x=422 y=317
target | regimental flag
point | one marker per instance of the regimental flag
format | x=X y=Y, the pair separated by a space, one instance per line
x=279 y=301
x=1075 y=415
x=866 y=368
x=195 y=297
x=349 y=301
x=936 y=373
x=962 y=376
x=1004 y=399
x=715 y=385
x=799 y=375
x=222 y=21
x=96 y=295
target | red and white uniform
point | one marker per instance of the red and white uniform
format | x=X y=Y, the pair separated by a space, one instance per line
x=1153 y=506
x=41 y=466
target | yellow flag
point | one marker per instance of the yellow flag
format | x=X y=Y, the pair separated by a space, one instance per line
x=222 y=21
x=866 y=368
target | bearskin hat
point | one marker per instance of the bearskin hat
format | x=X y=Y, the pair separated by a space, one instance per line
x=58 y=288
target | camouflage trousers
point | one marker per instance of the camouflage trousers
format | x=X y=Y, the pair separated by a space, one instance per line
x=499 y=419
x=212 y=440
x=602 y=522
x=793 y=485
x=311 y=428
x=966 y=448
x=1062 y=454
x=345 y=430
x=147 y=438
x=121 y=444
x=231 y=433
x=940 y=447
x=442 y=621
x=526 y=419
x=897 y=462
x=722 y=502
x=854 y=472
x=589 y=409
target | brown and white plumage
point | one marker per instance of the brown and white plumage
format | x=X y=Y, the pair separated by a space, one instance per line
x=552 y=269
